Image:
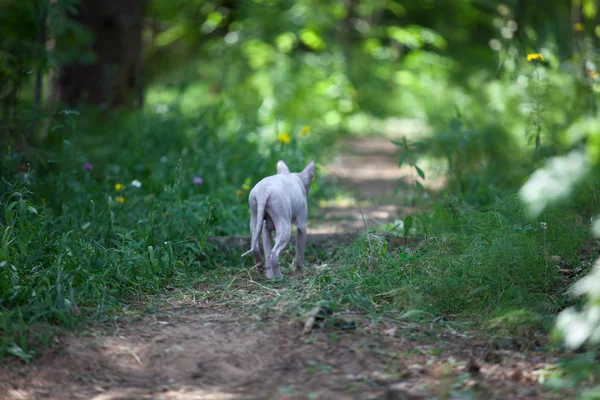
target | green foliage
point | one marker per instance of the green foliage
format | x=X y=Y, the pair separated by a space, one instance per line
x=104 y=219
x=518 y=322
x=490 y=262
x=495 y=257
x=224 y=81
x=576 y=371
x=54 y=270
x=21 y=49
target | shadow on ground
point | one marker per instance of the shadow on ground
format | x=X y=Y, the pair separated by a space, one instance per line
x=200 y=349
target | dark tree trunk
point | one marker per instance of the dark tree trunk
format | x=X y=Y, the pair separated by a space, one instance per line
x=114 y=78
x=347 y=31
x=37 y=94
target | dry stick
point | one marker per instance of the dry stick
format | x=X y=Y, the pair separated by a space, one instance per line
x=262 y=286
x=434 y=321
x=312 y=318
x=363 y=219
x=265 y=287
x=132 y=353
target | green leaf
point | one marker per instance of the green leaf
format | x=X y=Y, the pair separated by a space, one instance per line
x=312 y=39
x=408 y=223
x=16 y=351
x=71 y=122
x=401 y=160
x=420 y=171
x=397 y=190
x=404 y=36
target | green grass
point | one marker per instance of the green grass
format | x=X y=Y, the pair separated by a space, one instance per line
x=488 y=265
x=73 y=246
x=82 y=253
x=71 y=250
x=78 y=243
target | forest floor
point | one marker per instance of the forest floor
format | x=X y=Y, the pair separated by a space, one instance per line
x=213 y=343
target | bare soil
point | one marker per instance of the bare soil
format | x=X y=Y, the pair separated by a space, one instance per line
x=199 y=350
x=202 y=346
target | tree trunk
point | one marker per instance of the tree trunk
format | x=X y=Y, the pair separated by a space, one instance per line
x=113 y=79
x=37 y=94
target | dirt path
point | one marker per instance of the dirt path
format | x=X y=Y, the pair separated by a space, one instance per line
x=367 y=169
x=199 y=350
x=214 y=343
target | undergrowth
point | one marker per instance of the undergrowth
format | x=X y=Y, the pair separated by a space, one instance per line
x=122 y=212
x=491 y=263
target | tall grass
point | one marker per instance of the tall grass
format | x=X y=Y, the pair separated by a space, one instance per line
x=488 y=262
x=115 y=211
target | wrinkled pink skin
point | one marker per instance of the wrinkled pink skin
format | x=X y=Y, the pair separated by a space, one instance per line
x=277 y=202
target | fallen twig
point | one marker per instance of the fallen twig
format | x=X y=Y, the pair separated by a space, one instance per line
x=312 y=318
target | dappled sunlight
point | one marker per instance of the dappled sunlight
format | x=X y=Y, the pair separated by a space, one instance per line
x=457 y=173
x=383 y=212
x=361 y=124
x=341 y=201
x=368 y=170
x=166 y=393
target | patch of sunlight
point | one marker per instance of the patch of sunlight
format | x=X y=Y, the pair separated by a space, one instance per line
x=341 y=200
x=156 y=95
x=189 y=393
x=411 y=128
x=395 y=228
x=195 y=97
x=190 y=100
x=435 y=169
x=362 y=124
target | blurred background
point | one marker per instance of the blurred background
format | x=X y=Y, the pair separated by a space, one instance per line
x=226 y=75
x=131 y=130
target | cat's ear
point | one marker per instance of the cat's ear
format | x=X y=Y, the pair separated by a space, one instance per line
x=307 y=175
x=282 y=167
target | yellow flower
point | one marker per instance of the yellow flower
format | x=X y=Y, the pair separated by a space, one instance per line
x=119 y=187
x=578 y=26
x=535 y=57
x=245 y=186
x=120 y=199
x=239 y=192
x=284 y=138
x=592 y=74
x=305 y=130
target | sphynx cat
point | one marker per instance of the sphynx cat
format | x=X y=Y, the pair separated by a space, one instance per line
x=277 y=202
